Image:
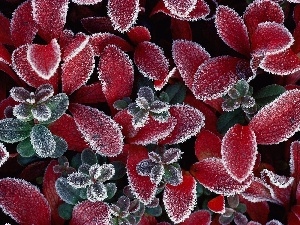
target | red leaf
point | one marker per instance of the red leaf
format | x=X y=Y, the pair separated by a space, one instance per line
x=44 y=59
x=217 y=204
x=74 y=46
x=232 y=30
x=147 y=220
x=115 y=68
x=123 y=13
x=262 y=11
x=101 y=132
x=141 y=186
x=66 y=128
x=77 y=70
x=188 y=56
x=22 y=27
x=5 y=35
x=207 y=145
x=180 y=200
x=201 y=216
x=212 y=174
x=180 y=8
x=270 y=38
x=5 y=56
x=151 y=61
x=139 y=34
x=181 y=29
x=239 y=151
x=21 y=200
x=88 y=94
x=296 y=14
x=279 y=120
x=97 y=24
x=33 y=171
x=189 y=123
x=50 y=193
x=5 y=103
x=4 y=154
x=215 y=77
x=295 y=160
x=125 y=120
x=294 y=216
x=87 y=213
x=86 y=2
x=51 y=21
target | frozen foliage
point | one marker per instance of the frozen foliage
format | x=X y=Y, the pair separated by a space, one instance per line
x=86 y=2
x=4 y=154
x=14 y=130
x=75 y=46
x=277 y=180
x=217 y=204
x=78 y=180
x=202 y=216
x=139 y=34
x=180 y=8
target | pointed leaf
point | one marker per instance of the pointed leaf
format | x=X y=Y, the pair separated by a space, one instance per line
x=200 y=216
x=4 y=154
x=88 y=94
x=124 y=119
x=13 y=130
x=100 y=131
x=180 y=8
x=21 y=200
x=75 y=46
x=217 y=204
x=139 y=34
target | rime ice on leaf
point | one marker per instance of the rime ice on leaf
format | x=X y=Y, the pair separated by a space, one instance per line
x=277 y=180
x=96 y=192
x=78 y=180
x=279 y=120
x=217 y=204
x=188 y=56
x=123 y=13
x=200 y=216
x=22 y=112
x=75 y=46
x=41 y=112
x=125 y=120
x=139 y=34
x=239 y=151
x=4 y=154
x=295 y=160
x=19 y=94
x=21 y=200
x=180 y=8
x=115 y=68
x=86 y=2
x=89 y=94
x=229 y=24
x=13 y=130
x=189 y=123
x=102 y=173
x=100 y=131
x=180 y=200
x=274 y=222
x=211 y=173
x=80 y=215
x=215 y=77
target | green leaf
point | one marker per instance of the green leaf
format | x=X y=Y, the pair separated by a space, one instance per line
x=120 y=170
x=14 y=130
x=268 y=94
x=176 y=93
x=164 y=97
x=157 y=211
x=66 y=192
x=65 y=211
x=58 y=105
x=242 y=87
x=120 y=104
x=228 y=119
x=42 y=141
x=88 y=157
x=25 y=148
x=61 y=146
x=24 y=161
x=111 y=189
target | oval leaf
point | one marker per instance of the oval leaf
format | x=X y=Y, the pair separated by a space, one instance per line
x=13 y=130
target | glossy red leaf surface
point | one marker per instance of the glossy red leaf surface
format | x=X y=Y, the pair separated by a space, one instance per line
x=123 y=13
x=87 y=213
x=180 y=8
x=22 y=26
x=189 y=123
x=88 y=94
x=4 y=154
x=212 y=174
x=5 y=35
x=115 y=68
x=215 y=77
x=66 y=128
x=101 y=132
x=232 y=30
x=239 y=151
x=21 y=200
x=217 y=204
x=295 y=160
x=201 y=216
x=141 y=186
x=279 y=120
x=139 y=34
x=294 y=216
x=180 y=200
x=188 y=56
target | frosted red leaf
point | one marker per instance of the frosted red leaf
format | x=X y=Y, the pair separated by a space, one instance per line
x=217 y=204
x=88 y=94
x=4 y=154
x=6 y=103
x=75 y=46
x=296 y=14
x=66 y=38
x=180 y=200
x=189 y=123
x=180 y=8
x=101 y=40
x=66 y=128
x=207 y=145
x=159 y=84
x=262 y=11
x=270 y=38
x=283 y=63
x=51 y=21
x=139 y=34
x=123 y=13
x=215 y=77
x=50 y=194
x=258 y=211
x=5 y=35
x=87 y=213
x=44 y=59
x=181 y=29
x=294 y=215
x=200 y=216
x=5 y=56
x=151 y=61
x=274 y=222
x=125 y=120
x=295 y=160
x=86 y=2
x=279 y=120
x=22 y=26
x=24 y=70
x=298 y=193
x=239 y=151
x=115 y=68
x=77 y=70
x=101 y=132
x=153 y=131
x=188 y=56
x=97 y=24
x=21 y=201
x=141 y=186
x=232 y=30
x=212 y=174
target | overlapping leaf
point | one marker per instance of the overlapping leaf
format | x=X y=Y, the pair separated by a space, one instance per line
x=200 y=216
x=217 y=204
x=88 y=94
x=4 y=154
